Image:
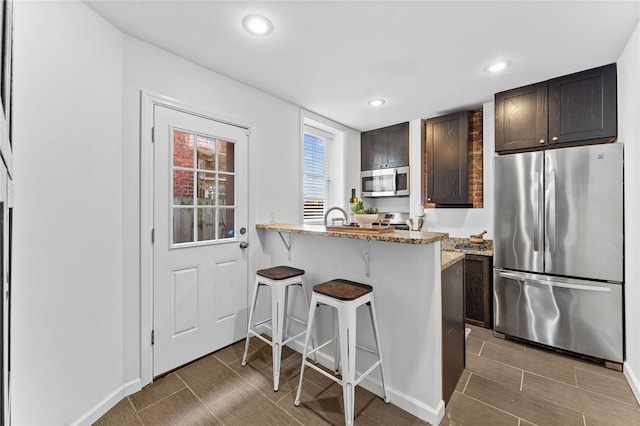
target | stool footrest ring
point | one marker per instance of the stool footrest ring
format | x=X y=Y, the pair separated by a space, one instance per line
x=317 y=348
x=294 y=337
x=261 y=337
x=261 y=322
x=324 y=373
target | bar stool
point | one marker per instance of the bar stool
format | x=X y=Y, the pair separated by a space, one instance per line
x=278 y=279
x=345 y=296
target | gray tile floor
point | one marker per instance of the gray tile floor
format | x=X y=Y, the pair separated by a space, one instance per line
x=505 y=383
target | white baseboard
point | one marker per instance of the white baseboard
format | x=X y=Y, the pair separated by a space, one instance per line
x=411 y=405
x=131 y=387
x=108 y=403
x=633 y=379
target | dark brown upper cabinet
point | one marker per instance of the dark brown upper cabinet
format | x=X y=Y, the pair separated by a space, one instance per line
x=446 y=162
x=385 y=148
x=584 y=106
x=521 y=117
x=574 y=109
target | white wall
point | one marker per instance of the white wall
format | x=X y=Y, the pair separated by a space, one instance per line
x=66 y=349
x=352 y=174
x=629 y=134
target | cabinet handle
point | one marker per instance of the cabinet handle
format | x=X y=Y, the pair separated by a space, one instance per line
x=541 y=140
x=555 y=138
x=428 y=199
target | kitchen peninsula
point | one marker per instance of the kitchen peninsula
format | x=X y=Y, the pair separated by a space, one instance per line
x=404 y=268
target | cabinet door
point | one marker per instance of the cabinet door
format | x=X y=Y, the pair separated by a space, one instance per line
x=521 y=118
x=446 y=144
x=397 y=148
x=478 y=290
x=453 y=341
x=583 y=106
x=372 y=149
x=385 y=147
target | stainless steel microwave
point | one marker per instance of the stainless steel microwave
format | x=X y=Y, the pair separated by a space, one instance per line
x=392 y=182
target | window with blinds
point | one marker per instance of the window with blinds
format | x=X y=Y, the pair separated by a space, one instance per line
x=316 y=177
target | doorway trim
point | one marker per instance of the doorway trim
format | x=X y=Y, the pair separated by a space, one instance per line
x=148 y=100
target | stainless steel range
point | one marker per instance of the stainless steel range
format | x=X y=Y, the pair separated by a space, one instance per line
x=396 y=219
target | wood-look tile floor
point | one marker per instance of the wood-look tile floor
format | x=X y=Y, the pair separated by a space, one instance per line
x=511 y=383
x=505 y=383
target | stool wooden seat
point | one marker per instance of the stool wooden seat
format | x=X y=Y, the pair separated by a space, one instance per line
x=278 y=279
x=343 y=289
x=278 y=273
x=345 y=297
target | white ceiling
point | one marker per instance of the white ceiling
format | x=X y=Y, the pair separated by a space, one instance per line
x=425 y=58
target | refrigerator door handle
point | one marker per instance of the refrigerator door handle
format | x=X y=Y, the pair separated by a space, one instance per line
x=551 y=229
x=538 y=209
x=531 y=280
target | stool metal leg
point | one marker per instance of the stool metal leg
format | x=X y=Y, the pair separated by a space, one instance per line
x=314 y=357
x=250 y=323
x=347 y=332
x=278 y=308
x=374 y=322
x=336 y=342
x=312 y=312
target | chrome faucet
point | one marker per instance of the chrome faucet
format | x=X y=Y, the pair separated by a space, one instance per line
x=330 y=209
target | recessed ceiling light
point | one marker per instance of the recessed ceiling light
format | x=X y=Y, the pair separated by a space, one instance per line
x=376 y=102
x=257 y=24
x=497 y=66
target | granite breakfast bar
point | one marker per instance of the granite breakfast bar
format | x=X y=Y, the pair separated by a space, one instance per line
x=404 y=268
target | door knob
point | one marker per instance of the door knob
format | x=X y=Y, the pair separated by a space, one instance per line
x=244 y=244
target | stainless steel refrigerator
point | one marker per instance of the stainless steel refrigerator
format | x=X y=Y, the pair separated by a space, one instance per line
x=558 y=248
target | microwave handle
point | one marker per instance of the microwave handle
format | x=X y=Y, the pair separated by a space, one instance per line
x=395 y=181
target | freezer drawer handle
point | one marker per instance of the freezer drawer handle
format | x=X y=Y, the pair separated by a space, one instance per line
x=530 y=280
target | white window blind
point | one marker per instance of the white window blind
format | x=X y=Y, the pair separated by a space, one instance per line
x=316 y=173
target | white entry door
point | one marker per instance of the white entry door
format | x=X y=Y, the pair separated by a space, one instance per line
x=200 y=219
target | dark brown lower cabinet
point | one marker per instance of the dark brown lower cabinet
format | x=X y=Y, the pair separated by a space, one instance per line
x=453 y=342
x=478 y=289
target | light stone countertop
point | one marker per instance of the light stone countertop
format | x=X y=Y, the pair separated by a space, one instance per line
x=406 y=237
x=449 y=245
x=449 y=258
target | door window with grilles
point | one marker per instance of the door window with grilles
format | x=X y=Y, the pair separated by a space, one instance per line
x=203 y=190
